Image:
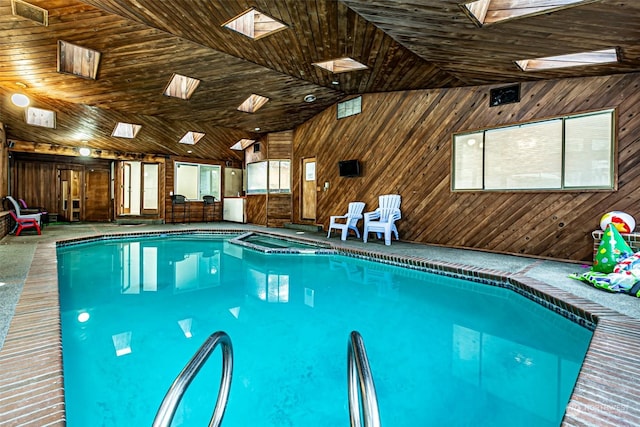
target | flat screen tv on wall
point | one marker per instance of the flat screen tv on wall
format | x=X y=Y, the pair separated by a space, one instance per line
x=349 y=168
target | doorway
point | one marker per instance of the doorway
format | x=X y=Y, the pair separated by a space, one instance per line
x=309 y=188
x=69 y=189
x=97 y=195
x=139 y=193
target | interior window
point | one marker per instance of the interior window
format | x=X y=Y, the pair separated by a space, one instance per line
x=194 y=180
x=572 y=152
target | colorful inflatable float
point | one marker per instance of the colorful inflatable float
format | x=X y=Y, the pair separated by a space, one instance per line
x=615 y=267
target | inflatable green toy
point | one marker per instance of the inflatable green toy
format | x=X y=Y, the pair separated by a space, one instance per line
x=612 y=249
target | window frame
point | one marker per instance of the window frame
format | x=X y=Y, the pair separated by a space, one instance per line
x=350 y=107
x=268 y=179
x=613 y=181
x=218 y=196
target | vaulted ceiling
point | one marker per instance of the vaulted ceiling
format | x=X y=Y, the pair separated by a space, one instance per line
x=406 y=44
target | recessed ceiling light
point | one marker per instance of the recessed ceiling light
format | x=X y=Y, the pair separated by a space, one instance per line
x=335 y=82
x=256 y=129
x=20 y=100
x=189 y=151
x=84 y=151
x=309 y=98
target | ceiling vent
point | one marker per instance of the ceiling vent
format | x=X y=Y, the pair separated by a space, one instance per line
x=29 y=11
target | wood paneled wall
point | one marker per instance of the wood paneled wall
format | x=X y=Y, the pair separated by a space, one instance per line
x=34 y=178
x=404 y=141
x=279 y=145
x=272 y=210
x=4 y=163
x=252 y=156
x=256 y=209
x=278 y=210
x=279 y=205
x=35 y=182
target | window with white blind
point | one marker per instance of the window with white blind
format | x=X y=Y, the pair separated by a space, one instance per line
x=564 y=153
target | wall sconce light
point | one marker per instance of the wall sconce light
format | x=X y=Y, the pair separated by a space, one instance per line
x=84 y=151
x=20 y=100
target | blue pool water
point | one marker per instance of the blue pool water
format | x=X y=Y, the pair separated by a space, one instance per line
x=443 y=351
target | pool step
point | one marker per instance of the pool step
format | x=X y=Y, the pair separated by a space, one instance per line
x=137 y=221
x=304 y=227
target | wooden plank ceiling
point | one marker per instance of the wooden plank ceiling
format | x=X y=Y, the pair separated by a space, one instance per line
x=405 y=45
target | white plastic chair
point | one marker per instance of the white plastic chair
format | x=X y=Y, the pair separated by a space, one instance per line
x=16 y=208
x=382 y=220
x=351 y=219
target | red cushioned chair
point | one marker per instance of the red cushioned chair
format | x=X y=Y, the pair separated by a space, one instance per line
x=25 y=223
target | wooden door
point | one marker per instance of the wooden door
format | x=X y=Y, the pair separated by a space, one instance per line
x=150 y=196
x=69 y=189
x=75 y=184
x=64 y=195
x=125 y=186
x=97 y=199
x=309 y=188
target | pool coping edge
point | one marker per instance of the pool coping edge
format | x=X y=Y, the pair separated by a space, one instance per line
x=32 y=394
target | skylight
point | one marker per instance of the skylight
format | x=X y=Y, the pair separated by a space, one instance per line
x=126 y=130
x=29 y=11
x=253 y=103
x=341 y=65
x=191 y=137
x=181 y=86
x=41 y=117
x=485 y=12
x=254 y=24
x=605 y=56
x=78 y=60
x=242 y=144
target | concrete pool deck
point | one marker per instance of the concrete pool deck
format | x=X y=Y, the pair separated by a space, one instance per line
x=31 y=390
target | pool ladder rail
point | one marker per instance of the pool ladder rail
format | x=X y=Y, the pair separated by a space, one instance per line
x=359 y=374
x=172 y=399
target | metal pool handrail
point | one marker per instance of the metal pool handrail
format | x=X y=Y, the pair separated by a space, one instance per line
x=359 y=371
x=181 y=383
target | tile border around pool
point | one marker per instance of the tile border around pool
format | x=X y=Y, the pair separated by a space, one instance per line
x=31 y=385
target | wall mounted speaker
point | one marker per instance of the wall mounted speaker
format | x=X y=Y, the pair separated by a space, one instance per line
x=504 y=95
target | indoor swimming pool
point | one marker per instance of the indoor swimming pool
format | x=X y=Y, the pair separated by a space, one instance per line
x=443 y=351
